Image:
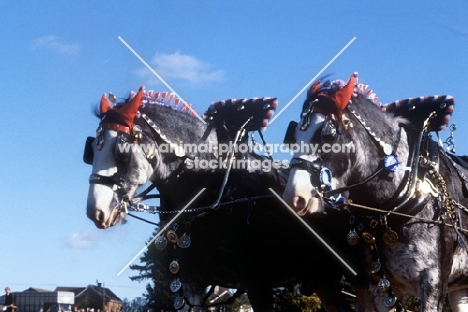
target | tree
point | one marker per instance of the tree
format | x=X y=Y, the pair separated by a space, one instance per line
x=154 y=268
x=289 y=302
x=136 y=305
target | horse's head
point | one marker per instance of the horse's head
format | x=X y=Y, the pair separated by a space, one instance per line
x=117 y=171
x=333 y=147
x=321 y=113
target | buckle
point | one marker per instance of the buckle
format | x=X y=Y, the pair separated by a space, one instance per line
x=141 y=206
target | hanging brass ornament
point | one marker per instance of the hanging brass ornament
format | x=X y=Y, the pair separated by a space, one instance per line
x=184 y=241
x=172 y=236
x=174 y=267
x=368 y=237
x=383 y=285
x=390 y=301
x=353 y=237
x=376 y=266
x=179 y=303
x=175 y=285
x=390 y=237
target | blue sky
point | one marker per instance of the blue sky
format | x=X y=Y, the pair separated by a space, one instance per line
x=58 y=57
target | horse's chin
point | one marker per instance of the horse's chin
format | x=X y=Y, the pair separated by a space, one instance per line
x=313 y=206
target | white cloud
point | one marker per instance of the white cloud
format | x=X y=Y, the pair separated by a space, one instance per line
x=55 y=44
x=83 y=239
x=183 y=67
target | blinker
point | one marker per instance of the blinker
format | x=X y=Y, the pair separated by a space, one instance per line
x=289 y=137
x=88 y=153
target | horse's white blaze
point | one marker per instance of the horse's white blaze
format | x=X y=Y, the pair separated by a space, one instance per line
x=99 y=204
x=103 y=161
x=100 y=197
x=299 y=192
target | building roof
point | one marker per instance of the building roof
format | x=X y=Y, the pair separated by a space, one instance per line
x=75 y=290
x=35 y=289
x=99 y=292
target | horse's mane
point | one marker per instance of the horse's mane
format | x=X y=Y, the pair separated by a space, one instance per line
x=164 y=112
x=411 y=112
x=170 y=121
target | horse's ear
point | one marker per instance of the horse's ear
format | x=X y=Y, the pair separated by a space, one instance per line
x=343 y=95
x=104 y=105
x=129 y=110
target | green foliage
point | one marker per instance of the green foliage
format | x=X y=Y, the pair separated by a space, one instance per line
x=154 y=268
x=288 y=302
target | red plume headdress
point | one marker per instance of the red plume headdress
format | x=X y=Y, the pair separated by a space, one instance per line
x=337 y=93
x=128 y=111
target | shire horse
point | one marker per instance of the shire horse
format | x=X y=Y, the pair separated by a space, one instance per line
x=382 y=184
x=235 y=234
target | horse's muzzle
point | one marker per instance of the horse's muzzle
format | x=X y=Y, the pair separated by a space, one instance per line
x=103 y=220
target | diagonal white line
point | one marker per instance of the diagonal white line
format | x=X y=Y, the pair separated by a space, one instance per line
x=161 y=231
x=312 y=80
x=157 y=75
x=313 y=232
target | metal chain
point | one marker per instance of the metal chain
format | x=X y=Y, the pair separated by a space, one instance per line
x=349 y=202
x=448 y=201
x=140 y=207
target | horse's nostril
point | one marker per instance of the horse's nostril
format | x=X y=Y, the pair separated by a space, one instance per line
x=97 y=216
x=299 y=202
x=100 y=216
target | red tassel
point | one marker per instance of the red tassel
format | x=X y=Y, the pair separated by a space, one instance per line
x=129 y=110
x=104 y=105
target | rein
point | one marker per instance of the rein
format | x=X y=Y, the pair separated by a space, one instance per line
x=141 y=207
